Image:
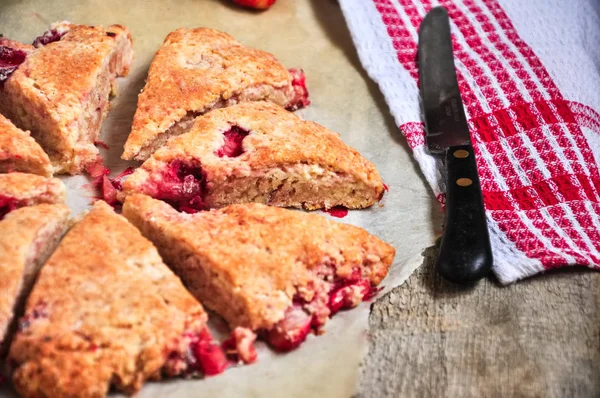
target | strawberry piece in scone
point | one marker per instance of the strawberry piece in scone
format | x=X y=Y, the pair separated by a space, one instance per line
x=12 y=54
x=257 y=152
x=197 y=70
x=107 y=312
x=21 y=189
x=278 y=272
x=20 y=152
x=27 y=237
x=60 y=91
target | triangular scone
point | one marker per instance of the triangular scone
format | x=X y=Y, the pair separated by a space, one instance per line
x=61 y=91
x=20 y=152
x=257 y=152
x=21 y=189
x=27 y=237
x=105 y=311
x=276 y=271
x=200 y=69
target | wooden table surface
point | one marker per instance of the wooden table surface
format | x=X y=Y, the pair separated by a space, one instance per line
x=537 y=338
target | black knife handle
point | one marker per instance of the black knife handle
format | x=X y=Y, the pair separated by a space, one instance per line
x=465 y=254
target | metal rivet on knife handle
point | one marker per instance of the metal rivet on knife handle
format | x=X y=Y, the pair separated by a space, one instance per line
x=464 y=182
x=461 y=154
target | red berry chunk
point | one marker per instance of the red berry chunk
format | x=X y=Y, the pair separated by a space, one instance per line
x=7 y=204
x=256 y=4
x=291 y=331
x=211 y=358
x=48 y=37
x=301 y=92
x=181 y=185
x=233 y=142
x=10 y=59
x=349 y=296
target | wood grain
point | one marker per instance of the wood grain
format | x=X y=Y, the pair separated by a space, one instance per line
x=537 y=338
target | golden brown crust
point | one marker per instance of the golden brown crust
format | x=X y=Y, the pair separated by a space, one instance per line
x=105 y=310
x=20 y=152
x=196 y=70
x=27 y=236
x=30 y=189
x=287 y=162
x=249 y=261
x=60 y=93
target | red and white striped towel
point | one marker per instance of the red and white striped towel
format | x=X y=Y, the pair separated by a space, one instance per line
x=529 y=74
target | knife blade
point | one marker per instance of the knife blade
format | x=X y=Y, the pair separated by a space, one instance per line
x=465 y=254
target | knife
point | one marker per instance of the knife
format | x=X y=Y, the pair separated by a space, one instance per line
x=465 y=254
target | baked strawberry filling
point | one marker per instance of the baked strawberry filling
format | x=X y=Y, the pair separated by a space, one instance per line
x=111 y=187
x=348 y=296
x=338 y=211
x=291 y=331
x=211 y=359
x=7 y=204
x=108 y=187
x=206 y=356
x=233 y=142
x=300 y=99
x=240 y=346
x=182 y=185
x=48 y=37
x=10 y=59
x=97 y=169
x=202 y=356
x=328 y=295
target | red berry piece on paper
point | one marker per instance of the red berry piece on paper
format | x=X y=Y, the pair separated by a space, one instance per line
x=256 y=4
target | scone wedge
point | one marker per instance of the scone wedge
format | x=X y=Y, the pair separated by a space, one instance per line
x=105 y=311
x=278 y=272
x=22 y=189
x=60 y=92
x=257 y=152
x=27 y=237
x=197 y=70
x=20 y=152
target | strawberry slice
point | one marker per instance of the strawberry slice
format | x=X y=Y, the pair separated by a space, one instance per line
x=291 y=331
x=349 y=296
x=301 y=92
x=256 y=4
x=109 y=192
x=10 y=59
x=211 y=358
x=96 y=169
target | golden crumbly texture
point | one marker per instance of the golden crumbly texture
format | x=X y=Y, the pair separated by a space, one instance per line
x=197 y=70
x=27 y=237
x=248 y=261
x=61 y=92
x=105 y=310
x=287 y=162
x=20 y=152
x=30 y=189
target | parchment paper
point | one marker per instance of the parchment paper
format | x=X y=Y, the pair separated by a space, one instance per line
x=301 y=33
